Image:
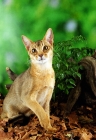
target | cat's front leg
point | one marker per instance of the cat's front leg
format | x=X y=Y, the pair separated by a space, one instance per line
x=46 y=106
x=39 y=111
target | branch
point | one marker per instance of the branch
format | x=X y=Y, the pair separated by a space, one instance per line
x=8 y=86
x=89 y=63
x=11 y=74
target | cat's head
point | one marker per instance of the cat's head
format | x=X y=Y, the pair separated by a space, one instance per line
x=40 y=51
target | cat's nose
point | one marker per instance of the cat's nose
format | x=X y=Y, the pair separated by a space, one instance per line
x=41 y=55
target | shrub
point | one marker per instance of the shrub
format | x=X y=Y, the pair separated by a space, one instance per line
x=67 y=54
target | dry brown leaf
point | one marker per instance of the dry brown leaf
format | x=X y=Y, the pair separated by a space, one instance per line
x=84 y=119
x=73 y=120
x=55 y=118
x=33 y=130
x=60 y=136
x=26 y=135
x=63 y=126
x=86 y=136
x=6 y=136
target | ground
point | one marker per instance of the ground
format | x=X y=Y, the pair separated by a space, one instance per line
x=80 y=124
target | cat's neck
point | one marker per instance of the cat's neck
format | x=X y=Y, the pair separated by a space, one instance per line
x=41 y=68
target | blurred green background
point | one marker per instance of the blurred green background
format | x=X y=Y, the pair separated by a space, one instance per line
x=67 y=18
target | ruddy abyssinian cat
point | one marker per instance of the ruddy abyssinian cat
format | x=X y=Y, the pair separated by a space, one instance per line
x=32 y=90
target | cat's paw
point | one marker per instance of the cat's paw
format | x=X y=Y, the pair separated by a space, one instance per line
x=51 y=130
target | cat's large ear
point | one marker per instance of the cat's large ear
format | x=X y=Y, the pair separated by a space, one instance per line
x=27 y=42
x=49 y=36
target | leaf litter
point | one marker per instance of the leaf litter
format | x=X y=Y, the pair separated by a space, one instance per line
x=80 y=124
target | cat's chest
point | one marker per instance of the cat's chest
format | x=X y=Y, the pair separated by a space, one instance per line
x=43 y=95
x=45 y=79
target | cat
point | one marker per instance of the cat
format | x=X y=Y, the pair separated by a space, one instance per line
x=32 y=90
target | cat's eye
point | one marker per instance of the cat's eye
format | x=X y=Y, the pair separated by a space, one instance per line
x=33 y=50
x=45 y=48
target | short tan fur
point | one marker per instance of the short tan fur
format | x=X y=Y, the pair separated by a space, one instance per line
x=32 y=90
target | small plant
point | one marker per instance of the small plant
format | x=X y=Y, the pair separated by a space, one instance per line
x=67 y=54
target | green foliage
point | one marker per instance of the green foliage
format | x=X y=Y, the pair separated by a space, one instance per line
x=67 y=55
x=32 y=18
